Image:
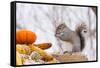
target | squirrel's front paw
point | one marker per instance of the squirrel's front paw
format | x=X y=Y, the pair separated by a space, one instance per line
x=67 y=52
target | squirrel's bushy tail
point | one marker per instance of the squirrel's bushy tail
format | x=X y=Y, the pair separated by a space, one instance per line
x=79 y=29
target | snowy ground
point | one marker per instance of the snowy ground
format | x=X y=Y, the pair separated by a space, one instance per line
x=43 y=20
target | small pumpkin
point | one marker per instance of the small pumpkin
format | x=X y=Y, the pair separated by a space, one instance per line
x=25 y=37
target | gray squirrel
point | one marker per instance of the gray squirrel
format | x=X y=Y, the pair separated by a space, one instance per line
x=76 y=38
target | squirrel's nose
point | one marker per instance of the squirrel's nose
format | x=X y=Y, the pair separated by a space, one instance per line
x=56 y=35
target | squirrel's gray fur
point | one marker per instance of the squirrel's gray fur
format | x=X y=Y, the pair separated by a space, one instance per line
x=74 y=37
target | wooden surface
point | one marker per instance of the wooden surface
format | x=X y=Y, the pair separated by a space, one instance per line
x=71 y=57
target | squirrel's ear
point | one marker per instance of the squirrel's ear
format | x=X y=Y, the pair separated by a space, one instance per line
x=83 y=25
x=64 y=23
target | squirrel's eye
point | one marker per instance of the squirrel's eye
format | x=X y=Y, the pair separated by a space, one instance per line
x=85 y=31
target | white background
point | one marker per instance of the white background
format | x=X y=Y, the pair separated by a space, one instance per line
x=5 y=34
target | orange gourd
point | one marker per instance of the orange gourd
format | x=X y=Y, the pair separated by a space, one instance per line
x=25 y=37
